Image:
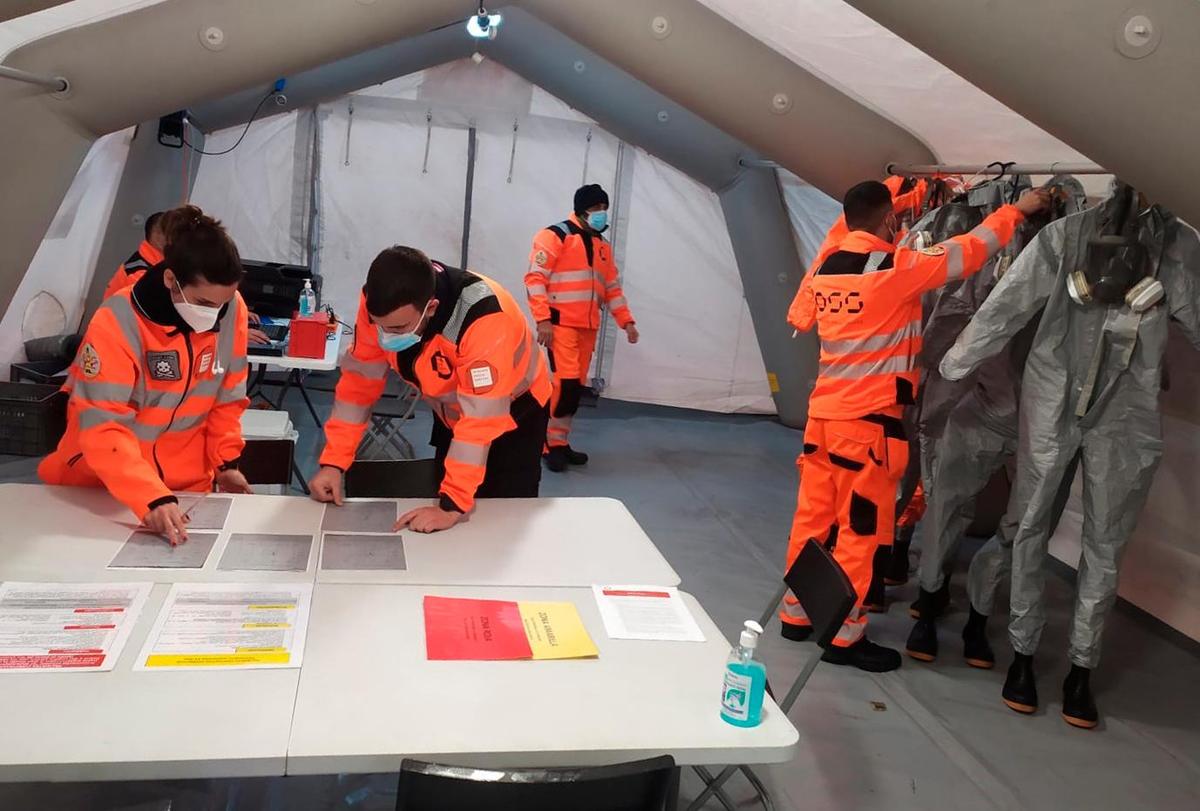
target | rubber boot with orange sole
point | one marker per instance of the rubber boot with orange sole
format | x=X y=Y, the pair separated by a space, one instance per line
x=976 y=649
x=922 y=642
x=1020 y=688
x=1079 y=708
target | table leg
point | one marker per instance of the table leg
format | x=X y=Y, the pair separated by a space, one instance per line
x=287 y=384
x=713 y=788
x=307 y=401
x=300 y=478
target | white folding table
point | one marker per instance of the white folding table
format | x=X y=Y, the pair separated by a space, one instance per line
x=70 y=533
x=369 y=698
x=366 y=696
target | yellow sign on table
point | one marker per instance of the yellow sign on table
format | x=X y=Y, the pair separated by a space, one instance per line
x=555 y=631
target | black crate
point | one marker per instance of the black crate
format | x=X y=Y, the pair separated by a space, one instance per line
x=33 y=418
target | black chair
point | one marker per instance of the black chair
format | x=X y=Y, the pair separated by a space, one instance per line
x=642 y=785
x=825 y=593
x=412 y=478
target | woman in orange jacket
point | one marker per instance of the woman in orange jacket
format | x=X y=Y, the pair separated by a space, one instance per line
x=158 y=388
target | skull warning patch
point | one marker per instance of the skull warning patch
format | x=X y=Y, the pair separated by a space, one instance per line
x=163 y=365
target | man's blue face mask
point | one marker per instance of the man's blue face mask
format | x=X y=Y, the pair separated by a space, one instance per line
x=598 y=220
x=400 y=341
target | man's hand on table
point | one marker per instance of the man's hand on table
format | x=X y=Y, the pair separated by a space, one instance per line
x=327 y=485
x=429 y=519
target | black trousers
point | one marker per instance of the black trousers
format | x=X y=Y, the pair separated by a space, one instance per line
x=514 y=465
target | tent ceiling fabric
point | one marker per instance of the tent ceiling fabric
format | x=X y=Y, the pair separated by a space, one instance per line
x=19 y=8
x=1063 y=66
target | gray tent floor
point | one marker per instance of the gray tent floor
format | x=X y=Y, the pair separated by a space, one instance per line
x=716 y=494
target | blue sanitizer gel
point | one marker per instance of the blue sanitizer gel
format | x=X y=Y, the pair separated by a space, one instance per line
x=745 y=681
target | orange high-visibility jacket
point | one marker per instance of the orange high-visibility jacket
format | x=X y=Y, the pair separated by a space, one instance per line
x=865 y=301
x=902 y=202
x=475 y=363
x=154 y=407
x=571 y=273
x=133 y=268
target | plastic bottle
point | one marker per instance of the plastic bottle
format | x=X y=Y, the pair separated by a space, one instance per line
x=308 y=299
x=745 y=681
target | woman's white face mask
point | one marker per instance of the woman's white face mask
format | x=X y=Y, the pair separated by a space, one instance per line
x=199 y=318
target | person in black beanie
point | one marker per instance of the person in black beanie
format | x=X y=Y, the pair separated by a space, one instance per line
x=571 y=273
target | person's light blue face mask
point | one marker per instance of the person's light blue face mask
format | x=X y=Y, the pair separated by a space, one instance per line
x=598 y=220
x=400 y=341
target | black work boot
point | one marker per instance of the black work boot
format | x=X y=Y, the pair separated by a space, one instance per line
x=1020 y=688
x=931 y=604
x=922 y=641
x=575 y=457
x=897 y=569
x=863 y=654
x=556 y=458
x=976 y=649
x=876 y=599
x=795 y=633
x=1079 y=708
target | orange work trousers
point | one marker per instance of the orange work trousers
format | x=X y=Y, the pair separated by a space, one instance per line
x=570 y=358
x=849 y=475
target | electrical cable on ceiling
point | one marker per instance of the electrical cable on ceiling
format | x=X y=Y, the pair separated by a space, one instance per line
x=253 y=116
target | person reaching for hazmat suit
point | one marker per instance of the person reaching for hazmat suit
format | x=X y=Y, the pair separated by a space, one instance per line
x=865 y=301
x=1110 y=279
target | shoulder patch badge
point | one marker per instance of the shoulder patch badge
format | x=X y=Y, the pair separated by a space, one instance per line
x=163 y=365
x=89 y=361
x=483 y=377
x=540 y=258
x=933 y=250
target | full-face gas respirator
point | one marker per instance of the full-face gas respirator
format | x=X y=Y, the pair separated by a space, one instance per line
x=1117 y=264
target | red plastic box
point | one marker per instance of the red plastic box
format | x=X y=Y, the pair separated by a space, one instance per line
x=306 y=337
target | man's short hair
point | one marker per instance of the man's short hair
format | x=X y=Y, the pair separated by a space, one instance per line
x=866 y=205
x=151 y=222
x=399 y=276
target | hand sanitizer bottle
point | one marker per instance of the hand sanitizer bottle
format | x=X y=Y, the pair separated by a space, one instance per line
x=308 y=299
x=745 y=681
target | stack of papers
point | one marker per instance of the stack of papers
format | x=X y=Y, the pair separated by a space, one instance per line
x=361 y=536
x=504 y=629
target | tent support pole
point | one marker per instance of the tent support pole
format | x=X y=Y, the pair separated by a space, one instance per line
x=1056 y=168
x=56 y=83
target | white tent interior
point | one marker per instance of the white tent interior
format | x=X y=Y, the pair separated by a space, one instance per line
x=670 y=236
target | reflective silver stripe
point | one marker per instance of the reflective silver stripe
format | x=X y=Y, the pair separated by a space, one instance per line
x=988 y=236
x=370 y=369
x=539 y=270
x=572 y=295
x=876 y=259
x=522 y=348
x=531 y=372
x=617 y=303
x=136 y=264
x=484 y=407
x=127 y=320
x=231 y=394
x=237 y=364
x=350 y=412
x=468 y=453
x=161 y=399
x=208 y=387
x=954 y=261
x=103 y=392
x=471 y=295
x=588 y=275
x=873 y=343
x=613 y=285
x=184 y=423
x=536 y=289
x=854 y=371
x=93 y=417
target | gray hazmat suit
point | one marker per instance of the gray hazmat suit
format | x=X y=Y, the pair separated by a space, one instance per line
x=1090 y=389
x=969 y=427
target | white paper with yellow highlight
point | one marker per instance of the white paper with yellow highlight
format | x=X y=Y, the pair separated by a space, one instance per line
x=229 y=626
